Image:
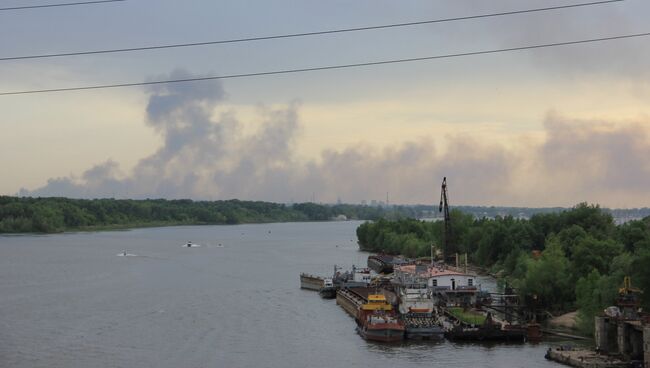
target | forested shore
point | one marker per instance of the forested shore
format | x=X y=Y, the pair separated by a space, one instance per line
x=574 y=259
x=52 y=215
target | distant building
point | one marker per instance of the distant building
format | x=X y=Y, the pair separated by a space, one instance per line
x=448 y=286
x=440 y=278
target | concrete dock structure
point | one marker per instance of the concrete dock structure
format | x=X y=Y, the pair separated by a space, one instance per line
x=619 y=342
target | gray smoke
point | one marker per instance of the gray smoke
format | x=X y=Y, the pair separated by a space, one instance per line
x=212 y=157
x=623 y=58
x=596 y=161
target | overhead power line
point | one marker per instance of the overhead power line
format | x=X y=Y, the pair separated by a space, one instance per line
x=24 y=7
x=328 y=67
x=303 y=34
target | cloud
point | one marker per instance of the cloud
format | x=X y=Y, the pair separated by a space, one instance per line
x=596 y=160
x=625 y=59
x=212 y=156
x=202 y=156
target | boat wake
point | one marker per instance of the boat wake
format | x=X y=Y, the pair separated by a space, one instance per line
x=191 y=245
x=126 y=254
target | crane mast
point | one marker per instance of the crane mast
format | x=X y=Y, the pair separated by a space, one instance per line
x=444 y=206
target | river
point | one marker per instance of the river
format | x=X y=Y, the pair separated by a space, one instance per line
x=69 y=300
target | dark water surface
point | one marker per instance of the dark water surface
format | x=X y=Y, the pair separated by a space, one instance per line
x=69 y=301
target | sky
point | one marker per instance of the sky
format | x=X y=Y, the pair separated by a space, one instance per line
x=544 y=127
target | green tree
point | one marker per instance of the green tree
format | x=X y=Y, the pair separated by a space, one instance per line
x=548 y=278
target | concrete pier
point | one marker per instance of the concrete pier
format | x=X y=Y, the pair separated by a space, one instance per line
x=584 y=359
x=646 y=346
x=622 y=337
x=619 y=342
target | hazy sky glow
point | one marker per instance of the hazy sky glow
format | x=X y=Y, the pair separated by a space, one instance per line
x=549 y=127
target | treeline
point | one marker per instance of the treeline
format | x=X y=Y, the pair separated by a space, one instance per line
x=574 y=259
x=51 y=215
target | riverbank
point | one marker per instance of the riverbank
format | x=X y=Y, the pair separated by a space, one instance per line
x=56 y=215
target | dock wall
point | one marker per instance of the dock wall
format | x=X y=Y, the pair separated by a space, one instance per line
x=606 y=334
x=626 y=338
x=646 y=346
x=584 y=359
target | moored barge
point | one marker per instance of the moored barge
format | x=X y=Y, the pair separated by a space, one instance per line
x=384 y=263
x=350 y=302
x=375 y=317
x=311 y=282
x=378 y=322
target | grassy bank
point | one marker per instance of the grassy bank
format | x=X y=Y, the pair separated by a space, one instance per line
x=467 y=316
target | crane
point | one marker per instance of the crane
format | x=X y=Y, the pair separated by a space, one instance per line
x=444 y=206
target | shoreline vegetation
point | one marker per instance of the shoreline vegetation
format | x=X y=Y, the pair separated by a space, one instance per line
x=559 y=262
x=47 y=215
x=55 y=215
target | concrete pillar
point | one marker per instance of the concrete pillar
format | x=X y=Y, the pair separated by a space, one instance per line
x=623 y=339
x=636 y=343
x=646 y=346
x=600 y=333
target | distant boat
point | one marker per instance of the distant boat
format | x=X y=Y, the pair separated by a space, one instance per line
x=189 y=244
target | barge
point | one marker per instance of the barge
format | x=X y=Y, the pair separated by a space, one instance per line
x=421 y=326
x=384 y=263
x=311 y=282
x=488 y=329
x=378 y=322
x=417 y=310
x=350 y=301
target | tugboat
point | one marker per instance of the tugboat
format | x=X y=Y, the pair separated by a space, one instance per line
x=328 y=291
x=378 y=322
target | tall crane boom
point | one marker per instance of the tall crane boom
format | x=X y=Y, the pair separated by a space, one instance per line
x=444 y=206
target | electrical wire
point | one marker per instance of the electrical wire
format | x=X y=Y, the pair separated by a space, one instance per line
x=329 y=67
x=24 y=7
x=303 y=34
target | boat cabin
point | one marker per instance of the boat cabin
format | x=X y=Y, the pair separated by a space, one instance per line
x=452 y=287
x=376 y=302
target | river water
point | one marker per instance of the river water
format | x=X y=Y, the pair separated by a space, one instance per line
x=68 y=300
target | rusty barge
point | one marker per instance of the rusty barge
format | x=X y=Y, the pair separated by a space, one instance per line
x=375 y=316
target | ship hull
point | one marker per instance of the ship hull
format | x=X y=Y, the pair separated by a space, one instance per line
x=379 y=266
x=383 y=263
x=348 y=303
x=310 y=282
x=425 y=333
x=422 y=327
x=382 y=332
x=327 y=292
x=483 y=334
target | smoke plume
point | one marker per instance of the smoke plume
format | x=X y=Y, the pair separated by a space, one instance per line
x=211 y=156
